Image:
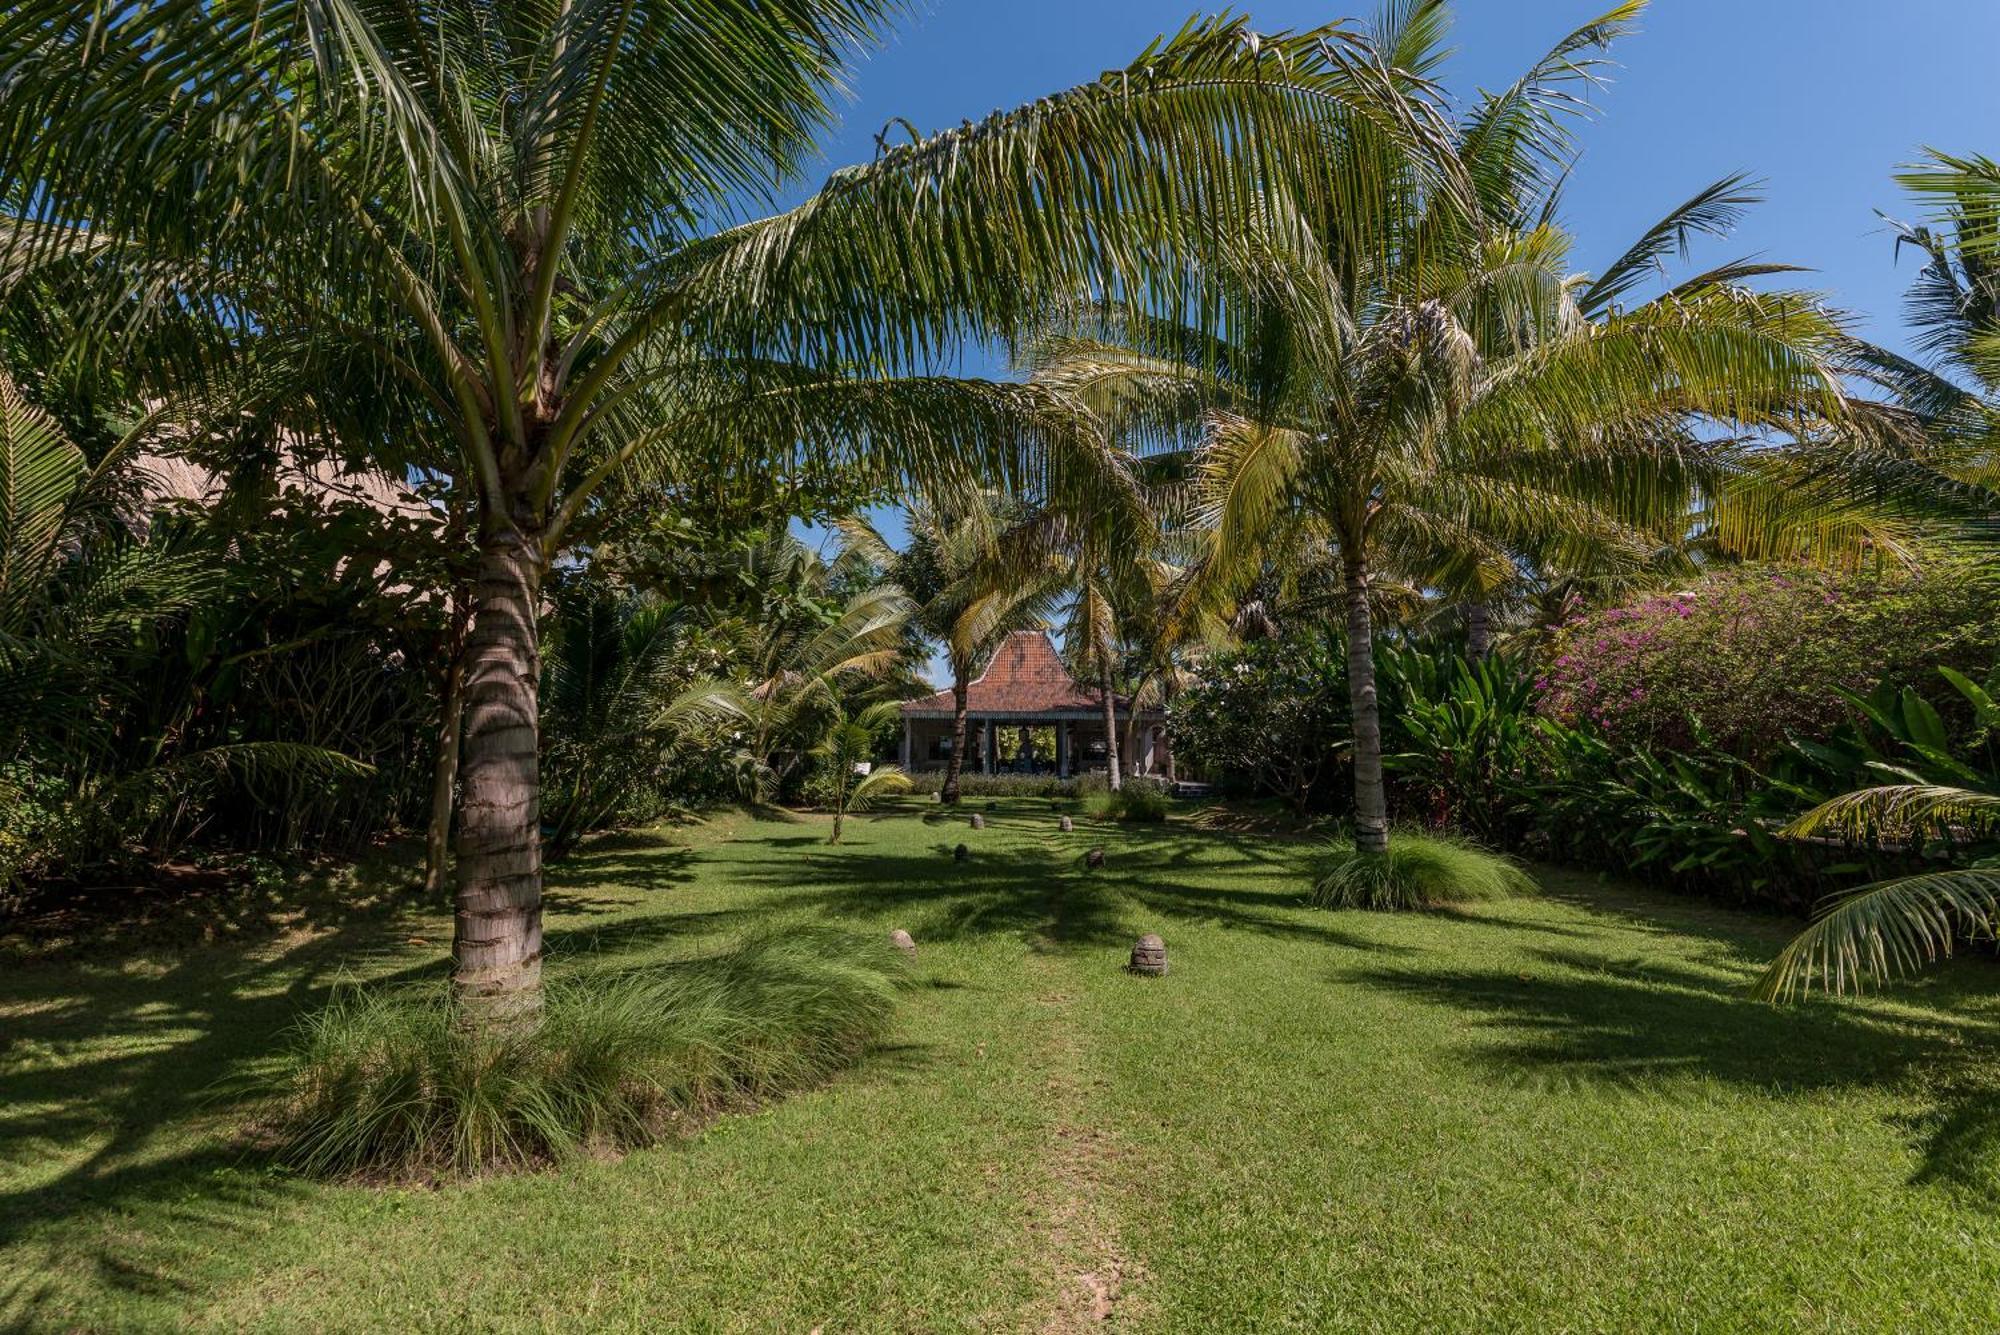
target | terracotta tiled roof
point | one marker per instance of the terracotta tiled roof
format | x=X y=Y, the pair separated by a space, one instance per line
x=1025 y=677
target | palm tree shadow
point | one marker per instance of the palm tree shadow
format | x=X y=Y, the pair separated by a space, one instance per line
x=1644 y=1025
x=1004 y=893
x=155 y=1073
x=1044 y=893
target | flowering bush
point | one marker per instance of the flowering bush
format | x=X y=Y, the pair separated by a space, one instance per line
x=1743 y=659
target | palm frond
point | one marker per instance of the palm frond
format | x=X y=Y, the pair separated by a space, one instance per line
x=1516 y=143
x=1714 y=210
x=1885 y=930
x=878 y=783
x=1900 y=811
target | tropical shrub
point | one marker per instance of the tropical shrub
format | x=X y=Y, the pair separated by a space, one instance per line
x=1269 y=719
x=1465 y=732
x=1939 y=806
x=974 y=784
x=1698 y=820
x=384 y=1082
x=1419 y=871
x=1746 y=660
x=1139 y=800
x=1474 y=754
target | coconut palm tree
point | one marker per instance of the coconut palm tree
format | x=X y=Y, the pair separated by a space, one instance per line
x=1949 y=467
x=848 y=744
x=1409 y=375
x=1096 y=577
x=1948 y=471
x=515 y=215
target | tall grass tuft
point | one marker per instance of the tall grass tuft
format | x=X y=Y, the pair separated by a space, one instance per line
x=382 y=1084
x=1420 y=871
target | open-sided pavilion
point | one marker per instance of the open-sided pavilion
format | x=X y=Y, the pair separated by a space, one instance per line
x=1026 y=715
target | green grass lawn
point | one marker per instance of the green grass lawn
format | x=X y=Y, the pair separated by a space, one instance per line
x=1554 y=1113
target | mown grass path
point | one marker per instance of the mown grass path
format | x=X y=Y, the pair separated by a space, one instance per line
x=1555 y=1114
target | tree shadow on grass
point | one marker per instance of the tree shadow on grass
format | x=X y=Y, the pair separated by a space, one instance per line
x=127 y=1075
x=1643 y=1024
x=185 y=907
x=635 y=936
x=1041 y=891
x=628 y=863
x=123 y=1087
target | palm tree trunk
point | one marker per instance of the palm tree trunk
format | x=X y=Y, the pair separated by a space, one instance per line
x=956 y=760
x=444 y=768
x=497 y=935
x=1131 y=748
x=1371 y=802
x=1110 y=729
x=1478 y=629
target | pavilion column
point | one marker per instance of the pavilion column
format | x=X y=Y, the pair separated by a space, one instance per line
x=1062 y=748
x=906 y=746
x=986 y=747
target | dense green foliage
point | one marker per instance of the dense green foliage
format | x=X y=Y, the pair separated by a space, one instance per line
x=1269 y=718
x=242 y=673
x=1700 y=818
x=1933 y=802
x=1137 y=799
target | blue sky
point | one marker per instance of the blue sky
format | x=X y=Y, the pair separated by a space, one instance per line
x=1820 y=99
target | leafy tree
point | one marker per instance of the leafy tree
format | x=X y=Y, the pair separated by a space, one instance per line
x=504 y=218
x=1271 y=714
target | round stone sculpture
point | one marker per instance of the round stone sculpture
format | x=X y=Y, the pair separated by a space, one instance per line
x=961 y=853
x=1094 y=858
x=978 y=821
x=1066 y=825
x=904 y=942
x=1149 y=955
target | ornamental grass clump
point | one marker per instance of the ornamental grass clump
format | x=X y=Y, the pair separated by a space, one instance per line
x=382 y=1084
x=1420 y=871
